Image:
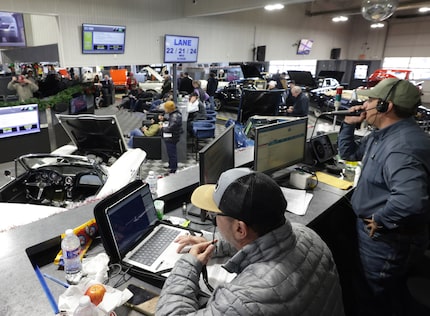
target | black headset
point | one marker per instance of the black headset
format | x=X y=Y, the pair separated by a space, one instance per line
x=382 y=105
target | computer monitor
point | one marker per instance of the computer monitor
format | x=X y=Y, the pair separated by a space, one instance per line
x=217 y=156
x=78 y=104
x=259 y=102
x=19 y=120
x=280 y=145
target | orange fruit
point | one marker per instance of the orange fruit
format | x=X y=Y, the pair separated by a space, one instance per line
x=96 y=293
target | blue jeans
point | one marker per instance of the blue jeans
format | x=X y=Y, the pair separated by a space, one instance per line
x=134 y=132
x=211 y=103
x=384 y=260
x=173 y=156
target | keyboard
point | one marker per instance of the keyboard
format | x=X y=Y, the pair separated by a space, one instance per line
x=155 y=245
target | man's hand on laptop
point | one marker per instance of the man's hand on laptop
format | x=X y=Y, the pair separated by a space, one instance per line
x=185 y=241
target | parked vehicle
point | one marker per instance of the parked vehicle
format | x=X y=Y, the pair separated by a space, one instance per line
x=98 y=164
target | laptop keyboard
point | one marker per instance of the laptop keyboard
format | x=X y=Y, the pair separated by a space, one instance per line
x=155 y=245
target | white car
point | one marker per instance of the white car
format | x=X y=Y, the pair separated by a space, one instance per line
x=98 y=164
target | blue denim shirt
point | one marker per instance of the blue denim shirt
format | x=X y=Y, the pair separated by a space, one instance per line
x=394 y=181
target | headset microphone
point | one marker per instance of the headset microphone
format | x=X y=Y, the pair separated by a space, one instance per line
x=346 y=112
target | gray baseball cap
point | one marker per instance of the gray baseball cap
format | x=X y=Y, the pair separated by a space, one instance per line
x=245 y=195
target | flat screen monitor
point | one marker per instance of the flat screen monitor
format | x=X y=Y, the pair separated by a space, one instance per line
x=304 y=47
x=78 y=105
x=12 y=31
x=103 y=39
x=259 y=102
x=280 y=145
x=217 y=157
x=180 y=49
x=19 y=120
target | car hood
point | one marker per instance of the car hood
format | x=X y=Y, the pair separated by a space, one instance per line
x=302 y=78
x=338 y=75
x=94 y=133
x=250 y=71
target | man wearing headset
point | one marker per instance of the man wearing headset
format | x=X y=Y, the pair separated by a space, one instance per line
x=391 y=199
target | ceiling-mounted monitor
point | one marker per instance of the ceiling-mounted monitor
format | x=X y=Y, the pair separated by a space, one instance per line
x=304 y=47
x=103 y=39
x=12 y=32
x=180 y=49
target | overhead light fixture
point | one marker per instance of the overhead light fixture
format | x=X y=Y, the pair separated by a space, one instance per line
x=424 y=9
x=272 y=7
x=377 y=25
x=340 y=18
x=378 y=10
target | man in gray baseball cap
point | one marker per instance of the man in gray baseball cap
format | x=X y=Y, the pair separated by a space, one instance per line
x=392 y=198
x=281 y=268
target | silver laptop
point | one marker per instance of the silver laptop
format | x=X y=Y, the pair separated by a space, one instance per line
x=140 y=239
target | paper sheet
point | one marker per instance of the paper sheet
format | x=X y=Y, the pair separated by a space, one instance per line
x=298 y=200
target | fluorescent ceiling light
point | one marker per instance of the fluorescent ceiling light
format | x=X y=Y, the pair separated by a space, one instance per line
x=340 y=18
x=377 y=25
x=424 y=9
x=271 y=7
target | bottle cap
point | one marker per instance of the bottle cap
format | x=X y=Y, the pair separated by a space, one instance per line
x=69 y=232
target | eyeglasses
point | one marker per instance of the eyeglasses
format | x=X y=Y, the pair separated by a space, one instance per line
x=214 y=216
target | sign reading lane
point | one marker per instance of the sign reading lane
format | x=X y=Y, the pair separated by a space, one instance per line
x=180 y=49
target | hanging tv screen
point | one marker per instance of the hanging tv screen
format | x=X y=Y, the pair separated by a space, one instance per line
x=103 y=39
x=180 y=49
x=19 y=120
x=12 y=32
x=304 y=47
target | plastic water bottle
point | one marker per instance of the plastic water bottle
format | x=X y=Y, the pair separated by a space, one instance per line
x=151 y=179
x=71 y=247
x=85 y=307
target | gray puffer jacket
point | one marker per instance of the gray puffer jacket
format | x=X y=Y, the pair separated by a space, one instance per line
x=289 y=271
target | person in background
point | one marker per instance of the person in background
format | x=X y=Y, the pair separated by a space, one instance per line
x=281 y=268
x=167 y=84
x=131 y=82
x=196 y=111
x=171 y=131
x=271 y=85
x=203 y=96
x=392 y=198
x=186 y=84
x=151 y=130
x=281 y=82
x=98 y=100
x=301 y=103
x=30 y=75
x=221 y=75
x=24 y=87
x=211 y=88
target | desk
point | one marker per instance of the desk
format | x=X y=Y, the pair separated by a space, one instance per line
x=21 y=290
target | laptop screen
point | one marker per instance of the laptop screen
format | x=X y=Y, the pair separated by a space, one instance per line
x=131 y=218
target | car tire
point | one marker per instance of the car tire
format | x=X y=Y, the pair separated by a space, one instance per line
x=218 y=104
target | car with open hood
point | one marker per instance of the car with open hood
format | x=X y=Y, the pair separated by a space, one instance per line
x=97 y=164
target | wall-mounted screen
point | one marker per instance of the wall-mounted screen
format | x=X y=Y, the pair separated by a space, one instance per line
x=280 y=145
x=180 y=49
x=103 y=39
x=304 y=47
x=12 y=32
x=19 y=120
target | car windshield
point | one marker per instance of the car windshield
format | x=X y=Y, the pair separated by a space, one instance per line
x=37 y=161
